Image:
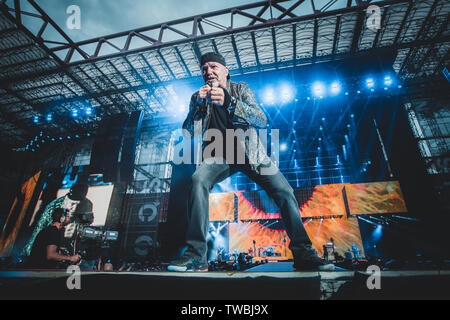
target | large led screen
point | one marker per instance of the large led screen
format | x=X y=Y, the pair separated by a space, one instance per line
x=375 y=198
x=319 y=201
x=258 y=237
x=221 y=206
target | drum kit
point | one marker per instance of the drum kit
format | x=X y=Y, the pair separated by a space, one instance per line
x=269 y=251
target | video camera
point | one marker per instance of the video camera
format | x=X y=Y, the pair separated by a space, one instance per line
x=90 y=233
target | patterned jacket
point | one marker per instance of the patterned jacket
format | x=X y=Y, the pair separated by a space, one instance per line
x=245 y=113
x=44 y=222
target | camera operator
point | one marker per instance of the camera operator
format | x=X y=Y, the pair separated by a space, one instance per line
x=45 y=252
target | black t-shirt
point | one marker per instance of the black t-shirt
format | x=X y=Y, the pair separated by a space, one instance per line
x=38 y=257
x=220 y=119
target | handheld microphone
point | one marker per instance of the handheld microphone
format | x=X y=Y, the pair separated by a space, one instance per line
x=212 y=84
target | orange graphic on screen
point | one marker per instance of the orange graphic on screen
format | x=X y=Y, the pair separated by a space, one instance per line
x=242 y=235
x=248 y=211
x=345 y=232
x=221 y=206
x=375 y=198
x=327 y=200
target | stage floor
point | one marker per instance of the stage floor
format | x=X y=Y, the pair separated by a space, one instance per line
x=250 y=285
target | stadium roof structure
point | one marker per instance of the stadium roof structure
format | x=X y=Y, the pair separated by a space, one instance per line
x=43 y=71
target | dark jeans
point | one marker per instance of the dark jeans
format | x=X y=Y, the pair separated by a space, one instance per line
x=276 y=186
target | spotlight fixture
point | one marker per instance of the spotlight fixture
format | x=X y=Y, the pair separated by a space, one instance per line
x=287 y=93
x=318 y=89
x=388 y=80
x=335 y=88
x=269 y=96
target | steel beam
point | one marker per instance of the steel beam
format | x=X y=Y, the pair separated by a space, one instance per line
x=227 y=31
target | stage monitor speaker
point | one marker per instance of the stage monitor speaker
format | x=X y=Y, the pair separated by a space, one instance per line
x=140 y=225
x=130 y=139
x=106 y=147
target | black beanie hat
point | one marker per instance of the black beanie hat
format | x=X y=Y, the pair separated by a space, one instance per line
x=213 y=57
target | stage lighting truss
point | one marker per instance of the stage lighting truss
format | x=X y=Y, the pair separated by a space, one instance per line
x=38 y=73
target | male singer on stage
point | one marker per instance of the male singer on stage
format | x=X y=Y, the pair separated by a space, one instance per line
x=225 y=105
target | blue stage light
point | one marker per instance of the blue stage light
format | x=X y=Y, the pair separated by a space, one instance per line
x=269 y=96
x=74 y=113
x=335 y=88
x=36 y=119
x=49 y=117
x=378 y=232
x=283 y=147
x=287 y=93
x=388 y=80
x=370 y=83
x=88 y=111
x=318 y=89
